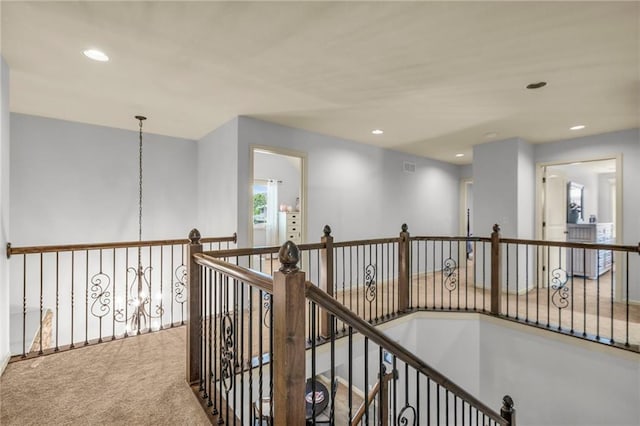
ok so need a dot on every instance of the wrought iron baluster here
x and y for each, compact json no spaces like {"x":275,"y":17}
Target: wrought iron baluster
{"x":24,"y":307}
{"x":113,"y":300}
{"x":73,"y":274}
{"x":86,"y":299}
{"x":56,"y":349}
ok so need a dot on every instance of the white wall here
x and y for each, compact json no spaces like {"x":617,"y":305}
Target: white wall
{"x":495,"y":186}
{"x":74,"y":183}
{"x":361,"y":191}
{"x":218,"y":181}
{"x":553,"y":379}
{"x":605,"y":197}
{"x":4,"y":212}
{"x":557,"y":380}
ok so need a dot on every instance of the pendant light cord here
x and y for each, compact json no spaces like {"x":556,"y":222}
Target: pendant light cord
{"x":141,"y":119}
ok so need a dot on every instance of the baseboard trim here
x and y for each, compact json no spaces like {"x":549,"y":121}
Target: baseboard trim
{"x":4,"y":361}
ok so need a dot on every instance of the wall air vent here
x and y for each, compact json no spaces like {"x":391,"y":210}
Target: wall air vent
{"x":409,"y":167}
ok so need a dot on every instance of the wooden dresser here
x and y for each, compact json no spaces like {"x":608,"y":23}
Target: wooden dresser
{"x":590,"y":263}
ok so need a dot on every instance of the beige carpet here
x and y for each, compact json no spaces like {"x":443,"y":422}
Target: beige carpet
{"x":133,"y":381}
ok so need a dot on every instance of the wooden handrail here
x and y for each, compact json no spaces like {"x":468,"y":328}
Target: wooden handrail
{"x":564,"y":244}
{"x":249,"y":276}
{"x":366,"y":242}
{"x":124,"y":244}
{"x":344,"y":314}
{"x":259,"y":250}
{"x":372,"y":394}
{"x":439,"y":238}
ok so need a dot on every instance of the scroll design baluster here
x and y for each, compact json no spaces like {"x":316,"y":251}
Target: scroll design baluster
{"x":101,"y":295}
{"x":407,"y":416}
{"x":370,"y":283}
{"x":561,"y":290}
{"x":179,"y":286}
{"x":227,"y":352}
{"x":266,"y":303}
{"x":450,"y":272}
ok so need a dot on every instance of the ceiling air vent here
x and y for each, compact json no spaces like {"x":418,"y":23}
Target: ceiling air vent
{"x":409,"y":167}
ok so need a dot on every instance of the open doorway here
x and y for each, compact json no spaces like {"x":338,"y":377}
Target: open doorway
{"x":579,"y":202}
{"x":277,"y":197}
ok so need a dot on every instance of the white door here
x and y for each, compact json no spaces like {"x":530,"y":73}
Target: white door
{"x":554,"y":224}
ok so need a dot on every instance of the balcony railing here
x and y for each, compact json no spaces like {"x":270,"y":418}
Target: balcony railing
{"x":248,"y":367}
{"x":66,"y":296}
{"x":356,"y":285}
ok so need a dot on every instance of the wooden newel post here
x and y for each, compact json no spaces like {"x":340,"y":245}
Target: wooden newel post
{"x":194,"y":314}
{"x":507,"y":411}
{"x":496,"y":271}
{"x":404,"y":257}
{"x":326,"y":278}
{"x":289,"y":339}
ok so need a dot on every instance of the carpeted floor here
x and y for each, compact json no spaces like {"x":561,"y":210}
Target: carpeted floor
{"x":133,"y":381}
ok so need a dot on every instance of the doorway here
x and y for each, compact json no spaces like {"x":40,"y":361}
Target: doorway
{"x":277,"y":195}
{"x":571,"y":197}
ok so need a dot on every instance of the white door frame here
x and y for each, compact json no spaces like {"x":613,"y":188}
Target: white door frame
{"x":619,"y":231}
{"x":303,"y":184}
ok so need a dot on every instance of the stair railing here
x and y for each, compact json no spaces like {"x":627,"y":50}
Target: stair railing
{"x":221,"y":357}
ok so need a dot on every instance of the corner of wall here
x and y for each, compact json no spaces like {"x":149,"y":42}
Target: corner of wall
{"x":4,"y":361}
{"x":4,"y":213}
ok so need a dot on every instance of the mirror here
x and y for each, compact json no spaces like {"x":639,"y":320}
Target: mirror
{"x":575,"y":201}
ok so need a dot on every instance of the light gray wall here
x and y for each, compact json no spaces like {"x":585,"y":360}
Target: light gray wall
{"x":361,"y":191}
{"x":495,"y":187}
{"x":605,"y":211}
{"x":74,"y":182}
{"x":217,"y":203}
{"x":4,"y":212}
{"x":526,"y":190}
{"x":557,"y":380}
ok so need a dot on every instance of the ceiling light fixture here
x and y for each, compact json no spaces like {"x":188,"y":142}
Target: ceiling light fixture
{"x":537,"y":85}
{"x":96,"y":55}
{"x":139,"y":312}
{"x":578,"y":127}
{"x":459,"y":155}
{"x":377,"y":131}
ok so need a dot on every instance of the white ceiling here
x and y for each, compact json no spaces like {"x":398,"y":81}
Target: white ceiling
{"x":436,"y":76}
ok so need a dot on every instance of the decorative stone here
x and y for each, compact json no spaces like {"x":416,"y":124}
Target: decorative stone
{"x":194,"y":236}
{"x":327,"y":230}
{"x":405,"y":228}
{"x":289,"y":255}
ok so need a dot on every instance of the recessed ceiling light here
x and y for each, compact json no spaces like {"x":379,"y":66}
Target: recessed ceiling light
{"x":537,"y":85}
{"x":578,"y":127}
{"x":490,"y":135}
{"x":459,"y":155}
{"x":96,"y":55}
{"x":377,"y":131}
